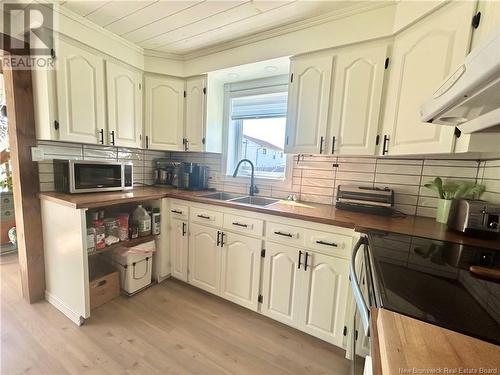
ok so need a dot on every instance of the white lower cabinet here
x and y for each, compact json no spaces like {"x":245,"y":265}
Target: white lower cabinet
{"x":326,"y":286}
{"x":179,"y":245}
{"x":311,"y":298}
{"x":281,"y":284}
{"x":204,"y":258}
{"x":241,"y":269}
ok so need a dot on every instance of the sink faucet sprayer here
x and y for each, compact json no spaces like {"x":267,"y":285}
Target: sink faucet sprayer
{"x":253,"y":188}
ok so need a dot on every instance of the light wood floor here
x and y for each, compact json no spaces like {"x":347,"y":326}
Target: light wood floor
{"x":170,"y":328}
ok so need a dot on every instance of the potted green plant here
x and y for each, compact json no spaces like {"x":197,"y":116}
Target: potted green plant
{"x":449,"y":191}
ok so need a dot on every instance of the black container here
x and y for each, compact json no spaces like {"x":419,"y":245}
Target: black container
{"x":194,"y":177}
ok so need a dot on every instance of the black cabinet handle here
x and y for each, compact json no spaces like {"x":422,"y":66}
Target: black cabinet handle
{"x":176,"y":212}
{"x":283,"y":234}
{"x":305,"y":262}
{"x":300,"y":257}
{"x":183,"y":229}
{"x":321,"y":144}
{"x":113,"y":137}
{"x":185,"y":142}
{"x":240,"y":224}
{"x":385,"y":145}
{"x":147,"y":141}
{"x":203,"y":216}
{"x":333,"y":144}
{"x":101,"y":132}
{"x":327,"y":243}
{"x":222,"y":234}
{"x":218,"y":238}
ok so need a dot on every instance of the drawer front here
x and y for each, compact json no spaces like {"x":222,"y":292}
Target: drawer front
{"x":284,"y":233}
{"x":243,"y":224}
{"x":206,"y":216}
{"x":179,"y":211}
{"x":330,"y":243}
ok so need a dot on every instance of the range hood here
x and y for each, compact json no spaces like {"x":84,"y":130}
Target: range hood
{"x":470,"y":97}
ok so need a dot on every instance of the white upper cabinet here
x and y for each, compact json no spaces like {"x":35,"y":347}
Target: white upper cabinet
{"x":80,"y":95}
{"x":164,"y":113}
{"x":422,"y":58}
{"x":308,"y":100}
{"x":326,"y":287}
{"x":124,"y":105}
{"x":355,"y":99}
{"x":241,"y":269}
{"x":489,"y":21}
{"x":194,"y":130}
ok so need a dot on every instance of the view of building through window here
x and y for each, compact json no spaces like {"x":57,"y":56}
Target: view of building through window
{"x":259,"y":139}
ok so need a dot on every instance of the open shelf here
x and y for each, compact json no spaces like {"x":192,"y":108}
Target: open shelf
{"x":129,"y":243}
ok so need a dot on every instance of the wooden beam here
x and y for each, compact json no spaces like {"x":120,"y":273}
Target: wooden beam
{"x":22,"y":136}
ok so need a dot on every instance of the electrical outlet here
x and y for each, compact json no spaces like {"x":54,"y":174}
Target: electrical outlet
{"x":37,"y":154}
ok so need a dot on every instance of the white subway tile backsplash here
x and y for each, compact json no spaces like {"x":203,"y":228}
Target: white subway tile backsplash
{"x":314,"y":178}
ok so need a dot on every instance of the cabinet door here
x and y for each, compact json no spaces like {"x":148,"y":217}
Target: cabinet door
{"x":308,"y":99}
{"x":179,"y":249}
{"x":241,"y":270}
{"x":80,"y":95}
{"x":164,"y":113}
{"x":423,"y":57}
{"x":281,"y":284}
{"x":124,"y":105}
{"x":490,"y":21}
{"x":355,"y":98}
{"x":194,"y":130}
{"x":325,"y":299}
{"x":204,"y":258}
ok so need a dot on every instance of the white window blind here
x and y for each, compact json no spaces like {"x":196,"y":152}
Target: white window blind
{"x":259,"y":106}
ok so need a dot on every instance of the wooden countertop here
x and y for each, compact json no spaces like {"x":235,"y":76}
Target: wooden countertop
{"x":404,"y":343}
{"x":320,"y":213}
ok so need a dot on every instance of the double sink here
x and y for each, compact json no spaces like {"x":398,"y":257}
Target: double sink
{"x":243,"y":199}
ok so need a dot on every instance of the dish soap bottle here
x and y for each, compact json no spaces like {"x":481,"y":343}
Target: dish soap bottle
{"x":141,"y":218}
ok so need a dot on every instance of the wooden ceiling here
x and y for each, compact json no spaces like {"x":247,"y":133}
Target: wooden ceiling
{"x":183,"y":27}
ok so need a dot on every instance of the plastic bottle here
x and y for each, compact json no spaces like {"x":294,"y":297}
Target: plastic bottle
{"x":156,"y":221}
{"x":141,"y":218}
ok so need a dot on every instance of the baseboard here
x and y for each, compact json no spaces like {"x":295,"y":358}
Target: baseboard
{"x":160,"y":279}
{"x":62,"y":307}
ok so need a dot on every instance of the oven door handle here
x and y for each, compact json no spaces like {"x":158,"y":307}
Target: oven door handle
{"x":364,"y":312}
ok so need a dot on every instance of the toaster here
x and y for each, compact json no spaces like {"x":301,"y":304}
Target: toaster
{"x":469,"y":216}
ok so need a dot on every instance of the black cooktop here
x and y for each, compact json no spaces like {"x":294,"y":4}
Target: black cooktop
{"x":433,"y":281}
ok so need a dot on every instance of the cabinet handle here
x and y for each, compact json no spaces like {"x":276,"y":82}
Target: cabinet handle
{"x":147,"y":141}
{"x":327,"y":243}
{"x":101,"y":132}
{"x":305,"y":262}
{"x":283,"y":234}
{"x":222,"y":234}
{"x":218,"y":238}
{"x":240,"y":225}
{"x":204,"y":216}
{"x":113,"y":137}
{"x":176,"y":212}
{"x":333,"y":144}
{"x":183,"y":229}
{"x":385,"y":145}
{"x":321,"y":144}
{"x":300,"y":257}
{"x":185,"y":142}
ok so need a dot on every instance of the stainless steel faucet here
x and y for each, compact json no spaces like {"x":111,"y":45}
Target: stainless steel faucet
{"x":253,"y":188}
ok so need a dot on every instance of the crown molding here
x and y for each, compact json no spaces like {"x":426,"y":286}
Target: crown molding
{"x":164,"y":55}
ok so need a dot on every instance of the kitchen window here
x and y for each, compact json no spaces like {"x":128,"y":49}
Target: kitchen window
{"x":256,"y":131}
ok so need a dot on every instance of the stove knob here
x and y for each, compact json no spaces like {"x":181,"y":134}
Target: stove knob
{"x":493,"y":225}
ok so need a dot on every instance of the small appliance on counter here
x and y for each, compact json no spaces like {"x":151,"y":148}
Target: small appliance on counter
{"x":167,"y":172}
{"x":474,"y":217}
{"x":194,"y":176}
{"x":87,"y":176}
{"x":365,"y":199}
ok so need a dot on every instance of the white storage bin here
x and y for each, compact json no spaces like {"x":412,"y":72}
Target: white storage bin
{"x":135,"y":265}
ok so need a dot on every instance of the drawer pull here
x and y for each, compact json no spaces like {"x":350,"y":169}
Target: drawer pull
{"x":240,"y":224}
{"x":204,"y":216}
{"x":176,"y":212}
{"x":283,"y":234}
{"x":327,"y":243}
